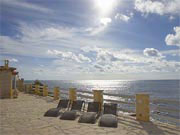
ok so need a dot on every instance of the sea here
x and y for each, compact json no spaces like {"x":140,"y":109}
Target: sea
{"x":166,"y":92}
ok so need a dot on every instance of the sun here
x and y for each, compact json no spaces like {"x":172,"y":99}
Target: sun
{"x":105,"y":6}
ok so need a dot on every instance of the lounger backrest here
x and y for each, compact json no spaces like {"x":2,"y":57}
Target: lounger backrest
{"x":63,"y":103}
{"x":77,"y":105}
{"x":110,"y":108}
{"x":93,"y":107}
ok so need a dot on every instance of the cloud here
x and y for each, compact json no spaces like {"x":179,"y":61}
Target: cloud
{"x":109,"y":56}
{"x":175,"y":52}
{"x":105,"y":56}
{"x":173,"y":39}
{"x":160,"y":7}
{"x":80,"y":58}
{"x":13,"y":60}
{"x":123,"y":17}
{"x":10,"y":59}
{"x":69,"y":53}
{"x":43,"y":32}
{"x":148,"y":6}
{"x":101,"y":26}
{"x":34,"y":41}
{"x":105,"y":21}
{"x":38,"y":71}
{"x":171,"y":18}
{"x":152,"y":52}
{"x":20,"y":47}
{"x":99,"y":68}
{"x":130,"y":61}
{"x":25,"y":5}
{"x":83,"y":58}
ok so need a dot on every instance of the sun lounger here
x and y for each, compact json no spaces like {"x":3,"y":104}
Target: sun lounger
{"x":92,"y":113}
{"x":73,"y":113}
{"x":109,"y":118}
{"x":55,"y":112}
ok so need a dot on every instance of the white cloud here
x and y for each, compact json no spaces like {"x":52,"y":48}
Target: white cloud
{"x":36,"y":40}
{"x":130,"y":61}
{"x":95,"y":30}
{"x":171,"y":52}
{"x":45,"y":32}
{"x":173,"y":39}
{"x":99,"y":68}
{"x":22,"y":48}
{"x":25,"y":5}
{"x":38,"y":71}
{"x":105,"y":21}
{"x":10,"y":59}
{"x":152,"y":52}
{"x":171,"y":18}
{"x":100,"y":27}
{"x":80,"y":55}
{"x":160,"y":7}
{"x":13,"y":60}
{"x":80,"y":58}
{"x":83,"y":58}
{"x":148,"y":6}
{"x":123,"y":17}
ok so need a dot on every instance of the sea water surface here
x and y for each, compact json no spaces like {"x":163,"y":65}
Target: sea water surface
{"x":157,"y":89}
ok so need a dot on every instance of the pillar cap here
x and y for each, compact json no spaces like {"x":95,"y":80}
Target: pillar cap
{"x":72,"y":88}
{"x":145,"y":94}
{"x":98,"y":90}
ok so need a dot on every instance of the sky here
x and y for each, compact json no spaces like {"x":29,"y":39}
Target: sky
{"x":91,"y":39}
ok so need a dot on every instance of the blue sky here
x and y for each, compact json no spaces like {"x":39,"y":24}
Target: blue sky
{"x":91,"y":39}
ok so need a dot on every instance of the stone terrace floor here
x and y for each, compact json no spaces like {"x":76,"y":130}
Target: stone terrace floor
{"x":24,"y":116}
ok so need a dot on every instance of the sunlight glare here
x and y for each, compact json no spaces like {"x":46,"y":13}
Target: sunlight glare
{"x":105,"y":6}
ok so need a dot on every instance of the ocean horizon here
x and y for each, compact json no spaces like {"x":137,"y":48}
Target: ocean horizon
{"x":154,"y":87}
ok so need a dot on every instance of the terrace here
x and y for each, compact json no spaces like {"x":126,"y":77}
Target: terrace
{"x":24,"y":115}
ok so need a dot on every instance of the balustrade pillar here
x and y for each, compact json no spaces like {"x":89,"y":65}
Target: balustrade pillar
{"x":98,"y":97}
{"x":56,"y":93}
{"x":142,"y":107}
{"x":72,"y":94}
{"x":45,"y":90}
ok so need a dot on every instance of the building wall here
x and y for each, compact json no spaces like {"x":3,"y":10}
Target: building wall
{"x":13,"y":81}
{"x":20,"y":84}
{"x":5,"y":83}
